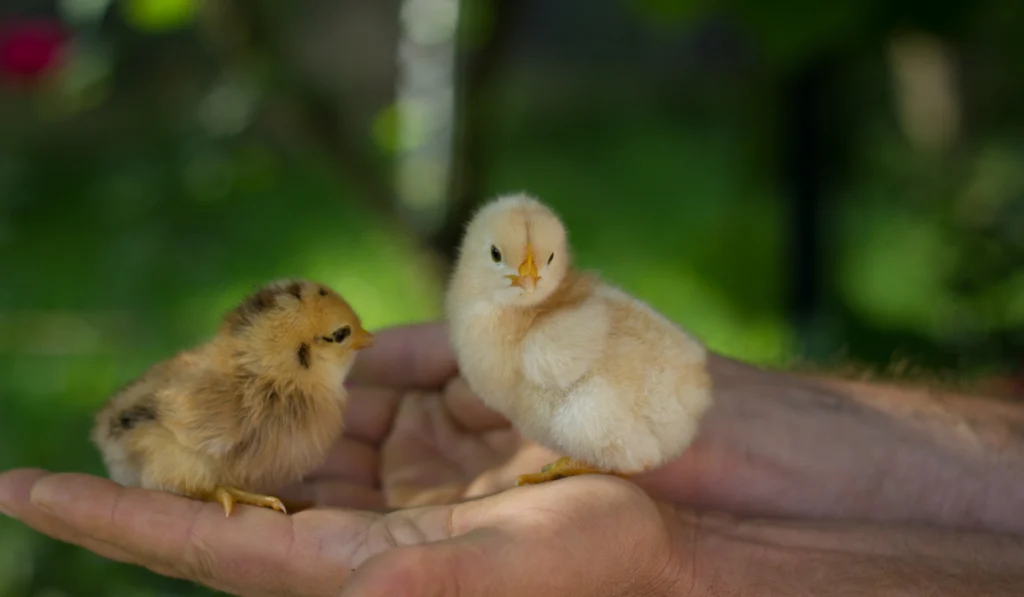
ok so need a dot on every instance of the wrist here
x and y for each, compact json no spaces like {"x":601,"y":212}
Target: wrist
{"x":780,"y":444}
{"x":777,"y":557}
{"x":774,"y":444}
{"x":712,"y":556}
{"x":675,"y":574}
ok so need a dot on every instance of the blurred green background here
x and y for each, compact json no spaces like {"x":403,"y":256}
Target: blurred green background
{"x":792,"y":181}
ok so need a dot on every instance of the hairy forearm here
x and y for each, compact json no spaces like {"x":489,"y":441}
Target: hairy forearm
{"x":782,"y":444}
{"x":766,"y":558}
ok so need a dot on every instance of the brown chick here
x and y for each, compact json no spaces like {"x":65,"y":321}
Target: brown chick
{"x":255,"y":408}
{"x":574,"y":363}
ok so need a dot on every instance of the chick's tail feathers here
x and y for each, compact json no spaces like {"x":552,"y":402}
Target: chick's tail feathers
{"x":112,"y":431}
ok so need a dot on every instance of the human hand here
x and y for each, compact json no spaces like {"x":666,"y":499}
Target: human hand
{"x":578,"y":537}
{"x":415,"y":434}
{"x":768,"y":438}
{"x":439,"y":427}
{"x":403,"y":360}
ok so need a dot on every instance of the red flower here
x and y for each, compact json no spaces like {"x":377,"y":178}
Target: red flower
{"x":31,"y":48}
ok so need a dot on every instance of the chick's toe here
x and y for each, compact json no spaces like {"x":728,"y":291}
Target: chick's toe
{"x":561,"y":468}
{"x":229,"y":496}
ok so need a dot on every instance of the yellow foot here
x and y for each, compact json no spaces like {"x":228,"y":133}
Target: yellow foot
{"x":561,"y":468}
{"x":229,"y":496}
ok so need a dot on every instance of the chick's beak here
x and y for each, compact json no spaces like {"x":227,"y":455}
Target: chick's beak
{"x":527,"y":278}
{"x":363,"y":339}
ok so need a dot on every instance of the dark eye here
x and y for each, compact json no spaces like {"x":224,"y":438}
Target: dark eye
{"x":550,"y":259}
{"x":341,"y":333}
{"x":495,"y":254}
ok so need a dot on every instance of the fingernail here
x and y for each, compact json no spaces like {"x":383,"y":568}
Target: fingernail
{"x":44,"y":497}
{"x":14,"y":485}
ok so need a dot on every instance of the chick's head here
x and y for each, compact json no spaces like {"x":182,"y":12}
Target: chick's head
{"x":296,"y":330}
{"x":514,"y":252}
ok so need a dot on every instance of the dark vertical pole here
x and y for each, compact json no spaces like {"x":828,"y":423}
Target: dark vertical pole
{"x":477,"y":68}
{"x":809,"y":128}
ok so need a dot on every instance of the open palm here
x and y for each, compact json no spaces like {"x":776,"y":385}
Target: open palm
{"x":415,"y":437}
{"x":518,"y":542}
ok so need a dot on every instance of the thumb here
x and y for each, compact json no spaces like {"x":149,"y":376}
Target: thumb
{"x":493,"y":562}
{"x":580,"y":537}
{"x":452,"y":567}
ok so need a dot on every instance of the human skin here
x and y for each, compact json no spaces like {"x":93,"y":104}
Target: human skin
{"x":774,"y":444}
{"x":848,"y":456}
{"x":826,"y":448}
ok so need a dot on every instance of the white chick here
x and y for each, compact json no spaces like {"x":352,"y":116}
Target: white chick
{"x":577,"y":365}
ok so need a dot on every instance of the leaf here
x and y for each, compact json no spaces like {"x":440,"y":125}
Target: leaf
{"x":159,"y":15}
{"x":789,"y":31}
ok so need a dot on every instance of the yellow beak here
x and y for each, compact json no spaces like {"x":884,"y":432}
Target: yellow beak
{"x":363,"y":339}
{"x":527,"y":278}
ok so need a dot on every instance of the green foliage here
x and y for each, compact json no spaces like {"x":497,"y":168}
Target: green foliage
{"x":114,"y":260}
{"x":476,"y":22}
{"x":784,"y":34}
{"x":788,"y":33}
{"x":654,"y":203}
{"x":128,"y":224}
{"x":670,"y":12}
{"x":159,"y":15}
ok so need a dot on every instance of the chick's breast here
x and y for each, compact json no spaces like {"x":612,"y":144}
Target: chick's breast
{"x":632,"y":389}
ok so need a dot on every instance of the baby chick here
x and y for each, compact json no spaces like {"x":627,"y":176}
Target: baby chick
{"x":251,"y":410}
{"x":577,"y":365}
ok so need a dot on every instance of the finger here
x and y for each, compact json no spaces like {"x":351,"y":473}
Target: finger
{"x":349,"y":460}
{"x":412,"y":356}
{"x":412,"y":459}
{"x":15,"y":491}
{"x":370,"y":411}
{"x":415,"y":570}
{"x":330,"y":493}
{"x":427,"y":459}
{"x":482,"y":562}
{"x":468,"y":410}
{"x":253,"y":551}
{"x":580,"y":536}
{"x":474,"y":452}
{"x":527,"y":457}
{"x":14,"y":488}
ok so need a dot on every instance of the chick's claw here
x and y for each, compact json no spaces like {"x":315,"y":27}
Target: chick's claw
{"x":229,"y":496}
{"x":561,"y":468}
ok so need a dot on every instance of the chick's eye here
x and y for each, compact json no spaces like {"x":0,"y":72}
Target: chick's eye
{"x":495,"y":254}
{"x":550,"y":259}
{"x":341,"y":333}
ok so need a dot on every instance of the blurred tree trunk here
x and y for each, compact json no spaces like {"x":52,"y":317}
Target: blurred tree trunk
{"x":311,"y":98}
{"x":814,"y":141}
{"x":253,"y":35}
{"x":477,"y":68}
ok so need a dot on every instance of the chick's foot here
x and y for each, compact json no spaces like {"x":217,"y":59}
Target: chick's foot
{"x":561,"y":468}
{"x":229,"y":496}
